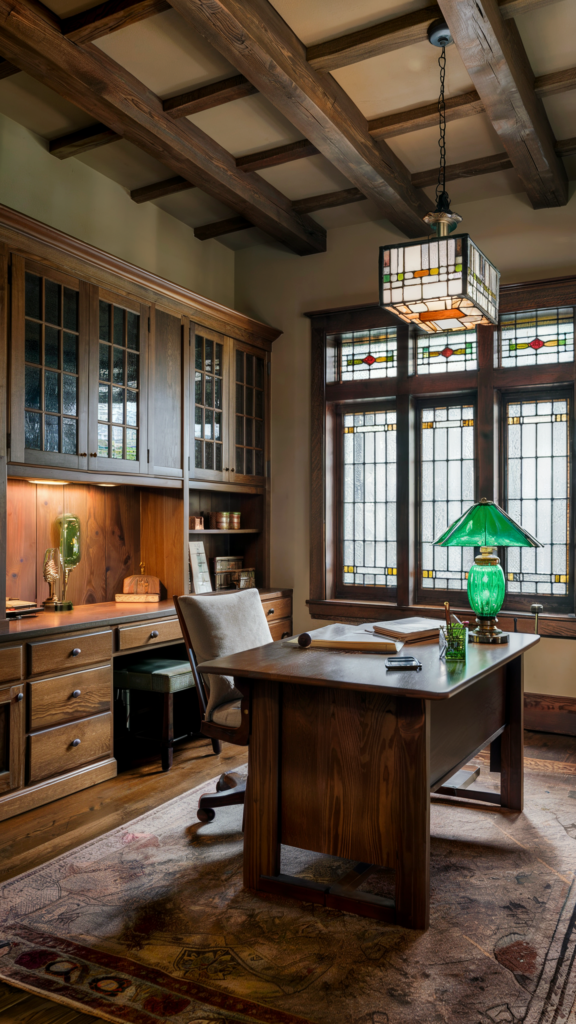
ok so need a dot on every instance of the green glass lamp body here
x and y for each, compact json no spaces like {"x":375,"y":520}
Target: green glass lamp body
{"x":486,"y":526}
{"x":70,"y":554}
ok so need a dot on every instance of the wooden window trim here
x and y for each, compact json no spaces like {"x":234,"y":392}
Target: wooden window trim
{"x":487,"y":381}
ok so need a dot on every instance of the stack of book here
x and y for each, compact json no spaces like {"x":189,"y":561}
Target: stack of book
{"x":415,"y":630}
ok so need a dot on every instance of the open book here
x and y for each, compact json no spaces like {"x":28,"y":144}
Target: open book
{"x":354,"y":641}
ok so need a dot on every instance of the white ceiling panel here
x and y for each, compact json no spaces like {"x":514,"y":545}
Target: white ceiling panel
{"x":165,"y":54}
{"x":65,"y":8}
{"x":402,"y":79}
{"x":38,"y":108}
{"x":561,"y":110}
{"x":126,"y":164}
{"x":246,"y":126}
{"x":313,"y":22}
{"x":549,"y":35}
{"x":467,"y":139}
{"x":195,"y":207}
{"x":309,"y":177}
{"x":485,"y":186}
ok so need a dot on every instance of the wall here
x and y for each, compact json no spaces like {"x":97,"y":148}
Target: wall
{"x":278,"y":288}
{"x":70,"y":196}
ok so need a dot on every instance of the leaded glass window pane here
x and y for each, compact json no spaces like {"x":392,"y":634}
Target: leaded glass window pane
{"x":209,"y":368}
{"x":369,"y":499}
{"x":364,"y":355}
{"x":446,"y":491}
{"x":249,"y":414}
{"x":537,"y":337}
{"x":119,"y":364}
{"x":537,"y":485}
{"x":443,"y":353}
{"x":50,"y":350}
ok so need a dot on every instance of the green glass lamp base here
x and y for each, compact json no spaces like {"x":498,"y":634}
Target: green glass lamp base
{"x":63,"y":606}
{"x":487,"y":631}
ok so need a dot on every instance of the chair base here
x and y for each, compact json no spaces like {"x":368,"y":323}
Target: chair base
{"x":230,"y":790}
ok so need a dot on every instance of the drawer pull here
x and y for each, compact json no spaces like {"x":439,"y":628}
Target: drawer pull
{"x":19,"y":696}
{"x":76,"y":693}
{"x":76,"y":651}
{"x":76,"y":743}
{"x":284,"y":635}
{"x":153,"y":634}
{"x":270,"y":611}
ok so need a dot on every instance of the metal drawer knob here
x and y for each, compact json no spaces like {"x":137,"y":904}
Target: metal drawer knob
{"x":153,"y":634}
{"x":76,"y":693}
{"x":19,"y":696}
{"x":270,"y":611}
{"x":75,"y":652}
{"x":75,"y":743}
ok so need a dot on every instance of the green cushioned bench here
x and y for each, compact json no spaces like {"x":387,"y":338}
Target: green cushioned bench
{"x":158,"y":675}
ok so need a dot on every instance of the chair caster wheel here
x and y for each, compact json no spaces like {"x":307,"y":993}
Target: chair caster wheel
{"x":206,"y":814}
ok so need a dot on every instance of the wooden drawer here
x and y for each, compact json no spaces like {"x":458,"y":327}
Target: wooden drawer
{"x":72,"y":652}
{"x":280,"y":628}
{"x":152,"y":633}
{"x":10,"y":664}
{"x":54,"y":751}
{"x":66,"y":698}
{"x":279,"y":608}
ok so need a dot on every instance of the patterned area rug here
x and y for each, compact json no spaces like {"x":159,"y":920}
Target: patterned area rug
{"x":150,"y":923}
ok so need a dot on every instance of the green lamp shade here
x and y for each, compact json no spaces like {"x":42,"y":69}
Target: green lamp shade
{"x":486,"y":525}
{"x":486,"y":588}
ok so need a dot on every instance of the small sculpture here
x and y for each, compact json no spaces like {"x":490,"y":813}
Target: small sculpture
{"x":51,"y":573}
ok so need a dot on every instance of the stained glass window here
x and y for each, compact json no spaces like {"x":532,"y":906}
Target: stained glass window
{"x":369,"y":533}
{"x":119,"y":382}
{"x":368,"y":354}
{"x":440,"y":285}
{"x":51,"y":366}
{"x":447,"y":352}
{"x":208,"y":390}
{"x":536,"y":337}
{"x":249,"y":414}
{"x":447,"y":490}
{"x":537,"y":479}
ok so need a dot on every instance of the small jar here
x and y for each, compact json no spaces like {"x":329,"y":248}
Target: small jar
{"x":235,"y":520}
{"x":222,"y":520}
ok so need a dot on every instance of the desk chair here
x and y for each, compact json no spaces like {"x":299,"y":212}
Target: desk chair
{"x":214,"y":625}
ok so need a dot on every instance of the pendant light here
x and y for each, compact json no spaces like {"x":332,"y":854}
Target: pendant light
{"x":446,"y":283}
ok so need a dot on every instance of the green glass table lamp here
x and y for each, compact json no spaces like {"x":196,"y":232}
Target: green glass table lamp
{"x":69,"y":554}
{"x":486,"y":526}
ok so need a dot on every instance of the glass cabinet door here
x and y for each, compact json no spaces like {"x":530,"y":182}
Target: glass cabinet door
{"x":49,"y":367}
{"x":117,"y":384}
{"x":249,"y":399}
{"x":210,"y":381}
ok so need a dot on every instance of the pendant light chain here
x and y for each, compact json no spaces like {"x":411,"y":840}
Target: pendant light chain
{"x":441,"y":186}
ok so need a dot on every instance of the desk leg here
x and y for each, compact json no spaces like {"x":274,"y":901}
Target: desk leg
{"x":261,"y":808}
{"x":412,"y":814}
{"x":512,"y":749}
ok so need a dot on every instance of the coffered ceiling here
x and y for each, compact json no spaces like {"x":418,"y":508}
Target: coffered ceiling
{"x":365,"y":128}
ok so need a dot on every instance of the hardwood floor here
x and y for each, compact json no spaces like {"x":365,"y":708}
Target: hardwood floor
{"x":35,"y":837}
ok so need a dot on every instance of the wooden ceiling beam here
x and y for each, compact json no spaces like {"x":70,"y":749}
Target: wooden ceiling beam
{"x":494,"y":56}
{"x":279,"y":155}
{"x":221,"y":227}
{"x":91,"y":80}
{"x":109,"y":17}
{"x":467,"y":169}
{"x":274,"y":60}
{"x":208,"y":96}
{"x":558,"y":81}
{"x":7,"y":69}
{"x":168,"y":187}
{"x":82,"y":141}
{"x":426,"y":116}
{"x":566,"y":147}
{"x":393,"y":34}
{"x":328,"y":200}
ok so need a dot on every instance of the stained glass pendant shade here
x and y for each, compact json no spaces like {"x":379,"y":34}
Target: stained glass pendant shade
{"x":486,"y":526}
{"x":442,"y":284}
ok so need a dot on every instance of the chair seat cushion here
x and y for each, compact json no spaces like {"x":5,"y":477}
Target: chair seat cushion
{"x":229,"y":715}
{"x":158,"y":675}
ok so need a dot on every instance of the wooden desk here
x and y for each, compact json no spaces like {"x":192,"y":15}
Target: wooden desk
{"x":343,"y":757}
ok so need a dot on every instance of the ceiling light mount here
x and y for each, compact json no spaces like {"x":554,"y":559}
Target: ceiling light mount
{"x":439,"y":33}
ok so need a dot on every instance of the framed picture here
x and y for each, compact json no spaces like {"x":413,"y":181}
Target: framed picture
{"x":199,"y":565}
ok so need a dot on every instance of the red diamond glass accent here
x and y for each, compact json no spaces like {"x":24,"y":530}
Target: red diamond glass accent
{"x":447,"y":352}
{"x":369,"y":360}
{"x":536,"y":344}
